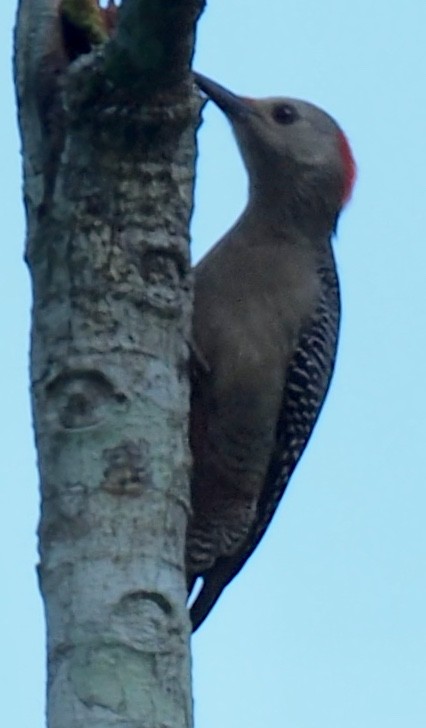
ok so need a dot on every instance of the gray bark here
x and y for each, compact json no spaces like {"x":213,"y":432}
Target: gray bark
{"x":108,"y":180}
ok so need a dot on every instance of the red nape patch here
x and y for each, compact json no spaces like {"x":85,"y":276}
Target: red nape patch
{"x":349,"y":167}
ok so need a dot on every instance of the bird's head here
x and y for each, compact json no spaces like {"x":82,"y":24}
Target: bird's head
{"x":294,"y":152}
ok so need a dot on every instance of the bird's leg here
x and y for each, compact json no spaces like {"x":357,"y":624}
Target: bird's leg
{"x":199,"y":364}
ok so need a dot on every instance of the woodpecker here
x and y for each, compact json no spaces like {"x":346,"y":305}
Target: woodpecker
{"x":265,"y":329}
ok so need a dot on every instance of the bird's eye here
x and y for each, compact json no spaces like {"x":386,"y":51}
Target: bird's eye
{"x":284,"y":114}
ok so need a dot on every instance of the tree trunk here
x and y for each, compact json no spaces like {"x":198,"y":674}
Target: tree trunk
{"x":108,"y":155}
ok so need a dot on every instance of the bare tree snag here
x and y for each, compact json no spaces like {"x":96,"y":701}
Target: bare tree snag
{"x":108,"y":155}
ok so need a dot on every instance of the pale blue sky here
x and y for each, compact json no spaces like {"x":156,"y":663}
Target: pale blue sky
{"x":325,"y":627}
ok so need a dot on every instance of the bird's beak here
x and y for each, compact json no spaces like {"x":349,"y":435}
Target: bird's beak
{"x":233,"y":106}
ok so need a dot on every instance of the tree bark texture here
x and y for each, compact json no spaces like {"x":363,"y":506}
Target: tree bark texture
{"x":108,"y":180}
